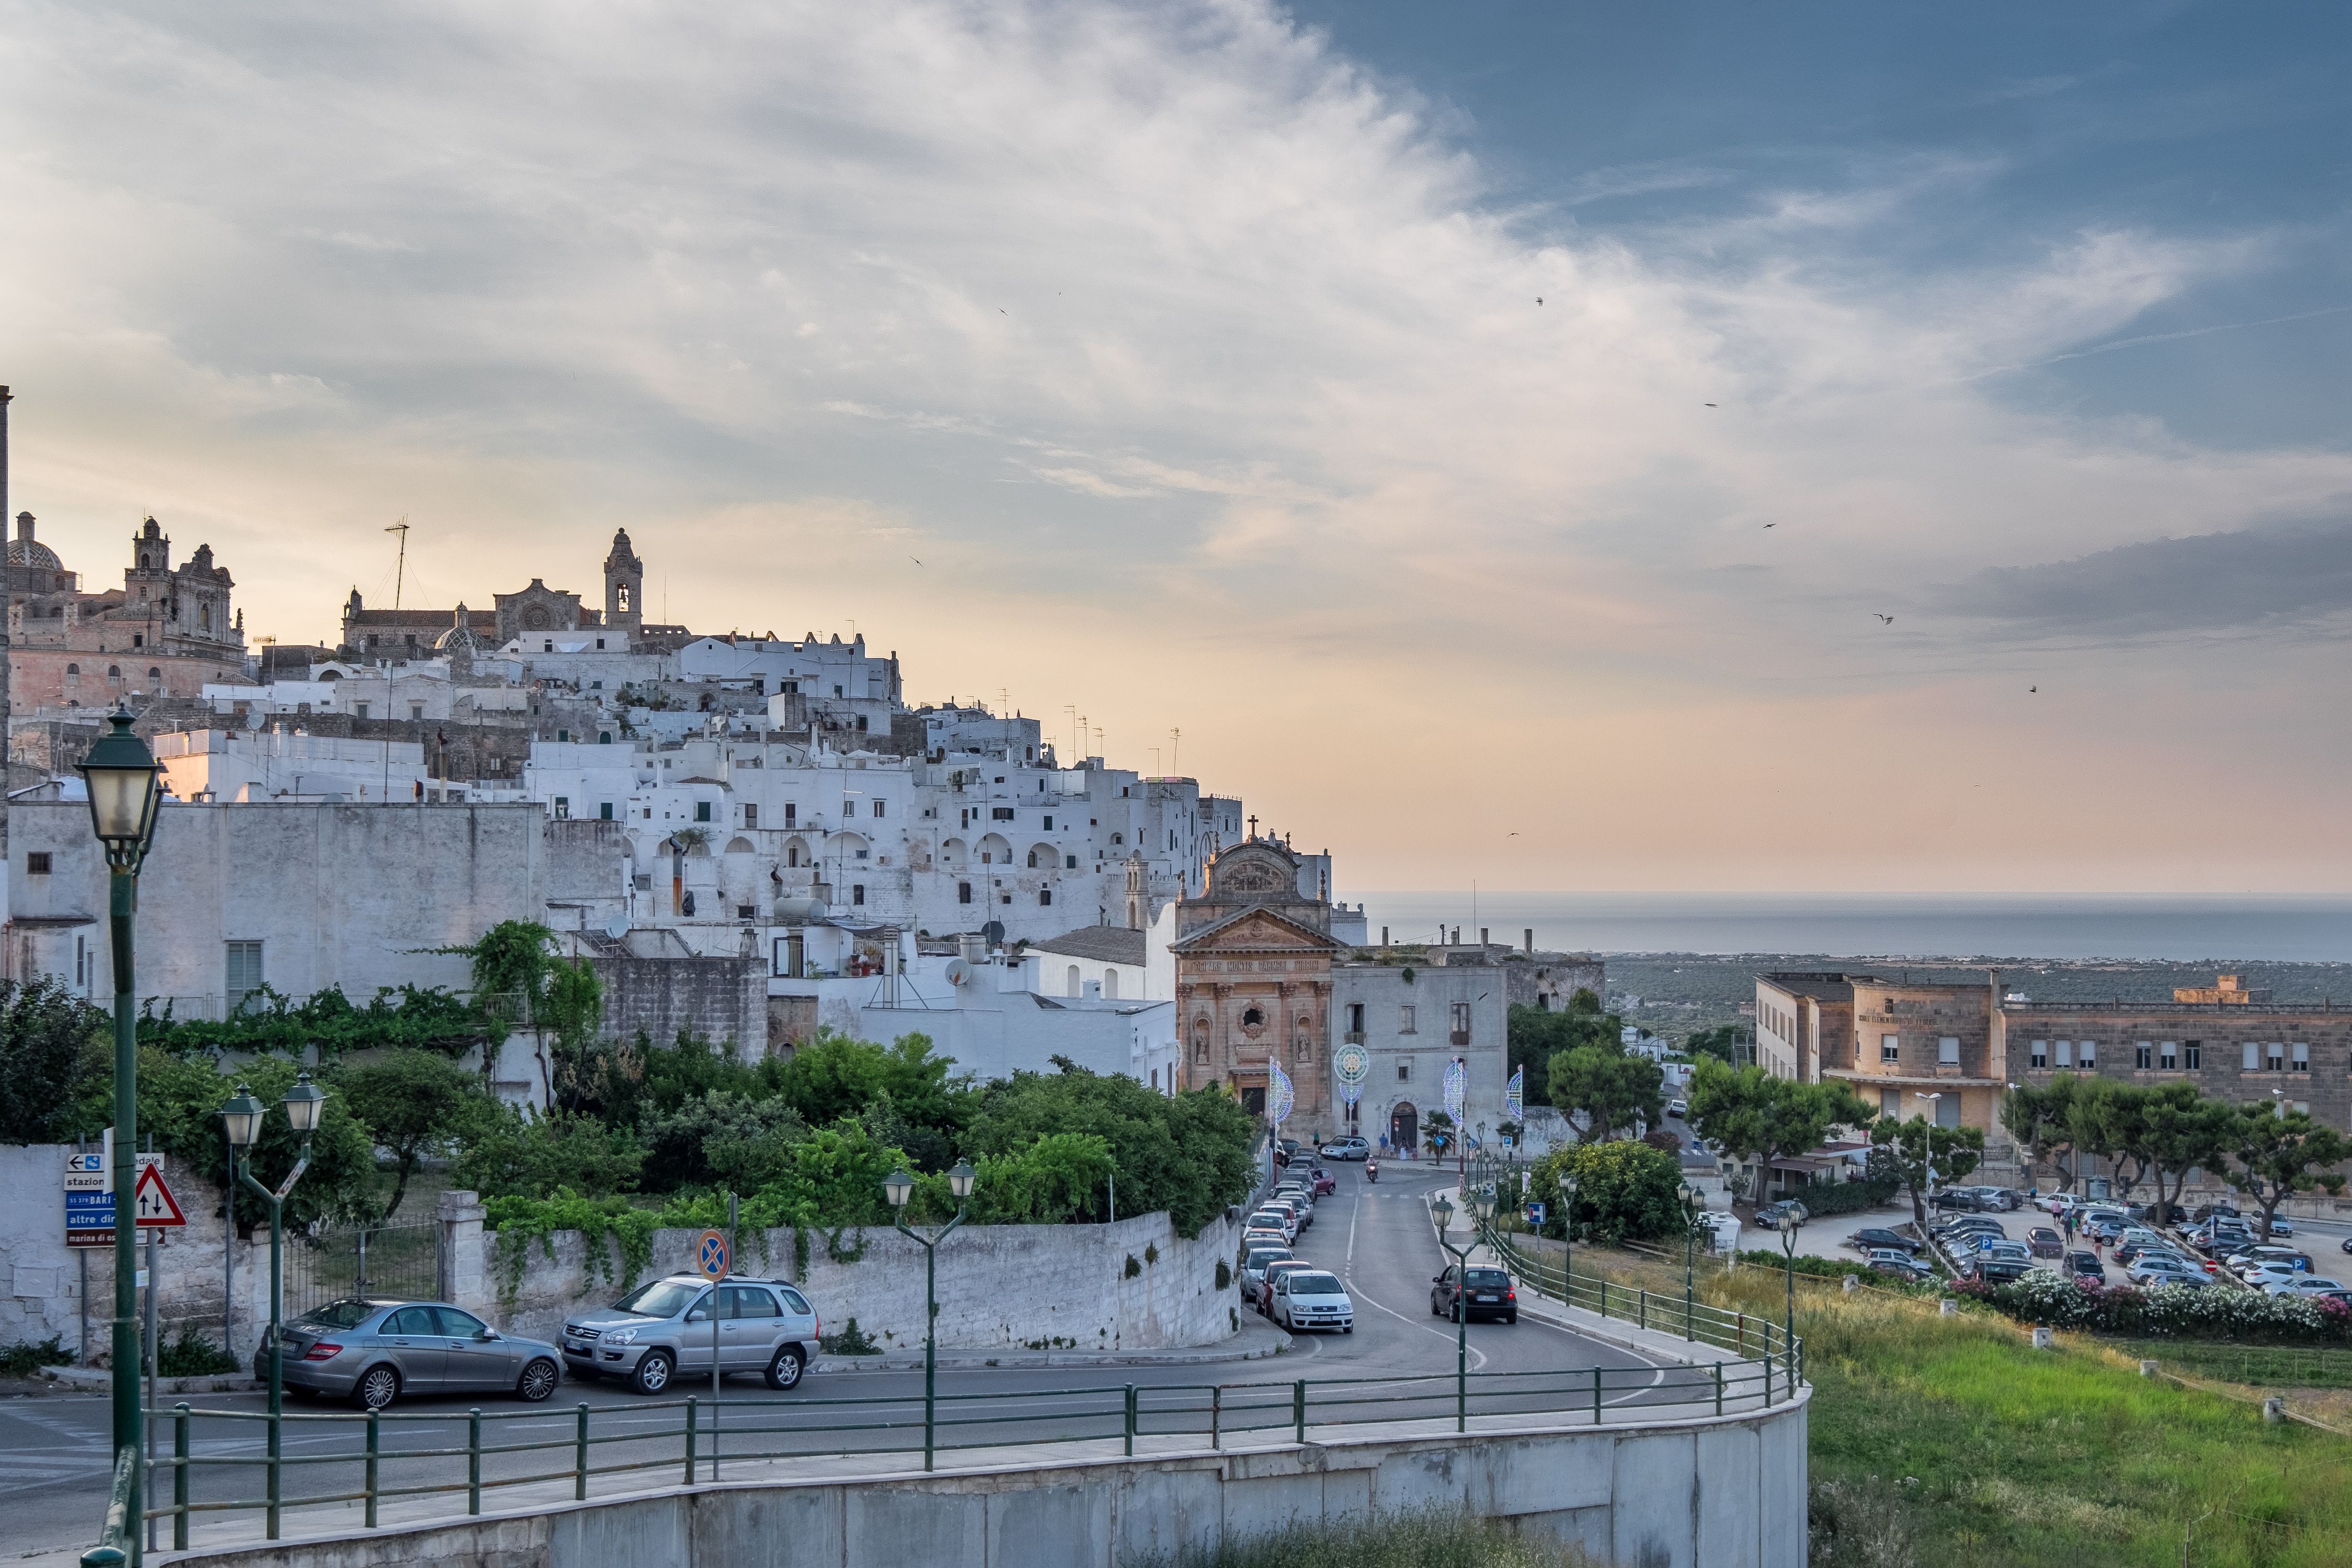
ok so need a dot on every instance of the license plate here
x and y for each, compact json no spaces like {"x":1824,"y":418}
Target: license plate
{"x":1490,"y":1298}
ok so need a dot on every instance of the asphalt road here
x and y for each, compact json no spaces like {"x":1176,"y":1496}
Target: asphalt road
{"x":1401,"y":1360}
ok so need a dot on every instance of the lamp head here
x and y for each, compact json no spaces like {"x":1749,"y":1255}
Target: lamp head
{"x":1443,"y":1212}
{"x":961,"y":1176}
{"x":305,"y":1102}
{"x":242,"y":1116}
{"x":898,"y":1186}
{"x":1482,"y":1203}
{"x":124,"y":787}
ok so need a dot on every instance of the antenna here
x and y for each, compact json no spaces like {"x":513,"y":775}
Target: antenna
{"x":1072,"y":709}
{"x":1175,"y":749}
{"x":400,"y":567}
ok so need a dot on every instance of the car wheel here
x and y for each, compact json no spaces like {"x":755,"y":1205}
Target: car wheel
{"x":1510,"y":1317}
{"x":652,"y":1374}
{"x":538,"y":1381}
{"x":1350,"y":1329}
{"x":785,"y":1371}
{"x":377,"y":1387}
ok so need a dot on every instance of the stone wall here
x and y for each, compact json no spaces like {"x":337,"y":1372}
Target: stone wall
{"x":1000,"y":1286}
{"x":724,"y":1000}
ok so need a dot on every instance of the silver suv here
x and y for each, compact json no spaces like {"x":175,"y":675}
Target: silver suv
{"x":662,"y":1331}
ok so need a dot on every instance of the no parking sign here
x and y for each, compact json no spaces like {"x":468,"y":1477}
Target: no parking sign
{"x":712,"y":1256}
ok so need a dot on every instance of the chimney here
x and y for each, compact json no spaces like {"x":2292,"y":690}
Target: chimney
{"x":25,"y":526}
{"x":1384,"y":935}
{"x":1482,"y":935}
{"x":1531,"y":939}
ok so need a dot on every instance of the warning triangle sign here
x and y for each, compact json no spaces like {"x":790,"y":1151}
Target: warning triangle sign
{"x":153,"y":1204}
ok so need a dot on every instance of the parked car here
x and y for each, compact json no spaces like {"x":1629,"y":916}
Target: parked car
{"x":2086,"y":1265}
{"x":2262,"y":1256}
{"x":1347,"y":1149}
{"x":1476,"y":1292}
{"x":373,"y":1352}
{"x":1253,"y":1268}
{"x":1999,"y":1271}
{"x":1768,"y":1217}
{"x":661,"y":1331}
{"x":1678,"y":1109}
{"x":1959,"y":1199}
{"x":1324,"y":1183}
{"x":1902,"y":1268}
{"x":2206,"y":1211}
{"x":2281,"y":1226}
{"x":1274,"y":1273}
{"x":1263,"y":1236}
{"x":2001,"y":1199}
{"x":2150,"y":1273}
{"x":1310,"y":1299}
{"x":2305,"y":1285}
{"x":2259,"y":1275}
{"x":2056,"y":1202}
{"x":1878,"y":1237}
{"x":1301,"y":1207}
{"x":2346,"y":1246}
{"x":1271,"y":1218}
{"x":2045,"y":1242}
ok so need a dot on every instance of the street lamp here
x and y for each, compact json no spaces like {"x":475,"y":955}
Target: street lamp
{"x":898,"y":1186}
{"x":304,"y":1103}
{"x":1568,"y":1237}
{"x":1789,"y":1334}
{"x":1935,"y":1112}
{"x":124,"y":787}
{"x":1694,"y":1204}
{"x":1442,"y":1211}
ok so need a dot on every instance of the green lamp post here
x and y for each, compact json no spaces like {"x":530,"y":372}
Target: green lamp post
{"x":1481,"y":1204}
{"x":124,"y":787}
{"x":898,"y":1186}
{"x":305,"y":1102}
{"x":1694,"y":1204}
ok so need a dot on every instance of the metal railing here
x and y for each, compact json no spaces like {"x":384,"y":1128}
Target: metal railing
{"x":117,"y":1543}
{"x":360,"y":1461}
{"x":1745,"y":1334}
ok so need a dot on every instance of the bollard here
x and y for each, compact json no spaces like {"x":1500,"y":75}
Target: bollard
{"x":689,"y":1439}
{"x":1852,"y":1283}
{"x":375,"y":1457}
{"x":180,"y":1477}
{"x":2043,"y":1339}
{"x":1949,"y":1307}
{"x":2275,"y":1410}
{"x":1131,"y":1420}
{"x":580,"y":1457}
{"x":1718,"y":1387}
{"x":2148,"y":1369}
{"x":1596,"y":1395}
{"x":474,"y":1461}
{"x":1216,"y":1416}
{"x":1645,"y":1308}
{"x":1298,"y":1408}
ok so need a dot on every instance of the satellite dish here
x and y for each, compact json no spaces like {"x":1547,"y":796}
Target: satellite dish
{"x":617,"y":926}
{"x":957,"y":971}
{"x":993,"y":931}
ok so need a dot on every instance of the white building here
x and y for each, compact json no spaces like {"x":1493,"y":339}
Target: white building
{"x":1415,"y":1022}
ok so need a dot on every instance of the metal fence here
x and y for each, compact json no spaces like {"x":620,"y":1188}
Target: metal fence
{"x":364,"y":1459}
{"x":379,"y":1260}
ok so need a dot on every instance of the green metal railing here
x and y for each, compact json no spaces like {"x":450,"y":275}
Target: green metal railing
{"x":119,"y":1542}
{"x":1745,"y":1334}
{"x":360,"y":1461}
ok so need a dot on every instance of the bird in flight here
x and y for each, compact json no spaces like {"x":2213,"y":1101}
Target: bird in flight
{"x":1539,"y":299}
{"x":1710,"y":405}
{"x":1884,"y":620}
{"x":1512,"y":834}
{"x":917,"y":559}
{"x":1771,"y":524}
{"x":2034,"y":688}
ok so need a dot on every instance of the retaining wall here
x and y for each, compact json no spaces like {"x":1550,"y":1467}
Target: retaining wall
{"x":1725,"y":1493}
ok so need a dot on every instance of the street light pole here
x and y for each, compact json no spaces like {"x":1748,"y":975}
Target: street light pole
{"x":1568,"y":1237}
{"x":122,"y":780}
{"x":1694,"y":1204}
{"x":305,"y":1102}
{"x":898,"y":1186}
{"x":1481,"y":1205}
{"x":1789,"y":1334}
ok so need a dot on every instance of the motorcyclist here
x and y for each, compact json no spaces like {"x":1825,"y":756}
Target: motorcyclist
{"x":1371,"y":1170}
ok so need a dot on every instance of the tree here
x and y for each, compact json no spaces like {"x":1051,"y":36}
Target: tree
{"x":1535,"y":1035}
{"x":1729,"y":1043}
{"x":1625,"y":1191}
{"x":1919,"y":1152}
{"x":834,"y":1076}
{"x":1437,"y":1132}
{"x":2186,"y":1131}
{"x":412,"y":1104}
{"x":2041,"y":1121}
{"x":2278,"y":1155}
{"x":1761,"y":1118}
{"x":2109,"y":1119}
{"x":508,"y":1153}
{"x":1610,"y":1089}
{"x":49,"y":1043}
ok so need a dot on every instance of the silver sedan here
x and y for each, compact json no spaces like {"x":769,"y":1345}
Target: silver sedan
{"x":372,"y":1353}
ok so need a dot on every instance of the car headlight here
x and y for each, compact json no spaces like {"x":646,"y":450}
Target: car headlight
{"x":621,"y":1336}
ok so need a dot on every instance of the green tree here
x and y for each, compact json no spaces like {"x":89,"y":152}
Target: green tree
{"x":1437,"y":1132}
{"x":2279,"y":1154}
{"x":2187,"y":1131}
{"x":1625,"y":1191}
{"x":2041,"y":1121}
{"x":1727,"y":1043}
{"x":50,"y":1042}
{"x":1761,"y":1118}
{"x":834,"y":1076}
{"x":1533,"y":1036}
{"x":508,"y":1153}
{"x":1611,"y":1089}
{"x":2109,"y":1118}
{"x":412,"y":1104}
{"x":1189,"y":1153}
{"x":1919,"y":1152}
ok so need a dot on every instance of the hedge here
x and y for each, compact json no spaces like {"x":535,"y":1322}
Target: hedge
{"x":1846,"y":1196}
{"x":2165,"y":1311}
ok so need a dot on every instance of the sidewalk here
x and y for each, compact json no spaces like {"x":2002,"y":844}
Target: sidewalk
{"x":1256,"y":1340}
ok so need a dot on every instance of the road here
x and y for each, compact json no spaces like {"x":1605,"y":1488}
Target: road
{"x":1376,"y":1236}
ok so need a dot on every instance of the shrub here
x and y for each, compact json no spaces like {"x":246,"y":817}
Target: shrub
{"x":21,"y":1358}
{"x":850,"y":1340}
{"x":1625,"y":1191}
{"x":190,"y":1354}
{"x":2165,"y":1310}
{"x":1848,"y":1196}
{"x":1224,"y":1276}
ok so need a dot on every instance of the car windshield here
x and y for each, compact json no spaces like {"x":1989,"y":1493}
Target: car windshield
{"x":662,"y":1298}
{"x":1487,"y":1278}
{"x":1304,"y":1284}
{"x":1265,"y":1255}
{"x":338,"y":1315}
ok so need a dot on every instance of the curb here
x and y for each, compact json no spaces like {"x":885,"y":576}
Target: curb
{"x":99,"y":1380}
{"x":970,"y":1361}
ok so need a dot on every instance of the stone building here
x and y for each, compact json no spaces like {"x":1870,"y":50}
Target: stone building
{"x":1413,"y":1021}
{"x":531,"y":617}
{"x":1253,"y":960}
{"x":165,"y":632}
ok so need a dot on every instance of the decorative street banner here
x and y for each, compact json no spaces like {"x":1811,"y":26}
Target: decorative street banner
{"x":1514,"y":1098}
{"x":1458,"y":1089}
{"x":1352,"y":1064}
{"x":1283,"y":1097}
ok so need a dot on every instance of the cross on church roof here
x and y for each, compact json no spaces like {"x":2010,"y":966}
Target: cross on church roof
{"x":1253,"y":827}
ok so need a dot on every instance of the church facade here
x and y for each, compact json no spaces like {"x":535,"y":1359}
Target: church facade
{"x":166,"y":631}
{"x":1254,"y":959}
{"x":535,"y":618}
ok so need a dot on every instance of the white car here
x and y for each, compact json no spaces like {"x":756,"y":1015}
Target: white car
{"x":2262,"y":1276}
{"x":2303,"y":1285}
{"x":1678,"y":1109}
{"x":1309,"y":1299}
{"x":1347,"y":1149}
{"x":1254,"y":1268}
{"x":1276,"y":1220}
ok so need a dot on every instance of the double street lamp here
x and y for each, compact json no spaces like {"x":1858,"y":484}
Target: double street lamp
{"x":1694,"y":1204}
{"x":305,"y":1102}
{"x":898,"y":1186}
{"x":1481,"y":1202}
{"x":1788,"y":1333}
{"x":123,"y":782}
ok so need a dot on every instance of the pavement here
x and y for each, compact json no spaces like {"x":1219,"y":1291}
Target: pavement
{"x":54,"y":1460}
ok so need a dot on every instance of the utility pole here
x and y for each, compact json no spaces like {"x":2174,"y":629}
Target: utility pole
{"x":400,"y":567}
{"x":1175,"y":751}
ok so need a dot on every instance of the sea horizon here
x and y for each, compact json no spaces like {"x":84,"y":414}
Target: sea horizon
{"x":2123,"y":926}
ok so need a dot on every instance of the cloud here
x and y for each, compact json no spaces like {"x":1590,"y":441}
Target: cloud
{"x":2255,"y":579}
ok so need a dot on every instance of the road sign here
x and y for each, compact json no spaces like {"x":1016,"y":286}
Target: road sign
{"x":1536,"y":1214}
{"x":90,"y":1196}
{"x":711,"y":1255}
{"x":153,"y":1204}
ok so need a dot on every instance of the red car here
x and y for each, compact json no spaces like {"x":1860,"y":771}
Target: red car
{"x":2045,"y":1242}
{"x":1324,"y":1185}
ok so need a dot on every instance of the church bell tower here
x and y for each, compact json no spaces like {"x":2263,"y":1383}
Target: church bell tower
{"x":624,"y":586}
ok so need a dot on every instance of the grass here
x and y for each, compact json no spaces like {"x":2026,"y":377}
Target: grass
{"x":1436,"y":1540}
{"x":2256,"y":1367}
{"x":1938,"y":1442}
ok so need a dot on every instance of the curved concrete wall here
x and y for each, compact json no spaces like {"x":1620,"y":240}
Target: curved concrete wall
{"x":1726,"y":1492}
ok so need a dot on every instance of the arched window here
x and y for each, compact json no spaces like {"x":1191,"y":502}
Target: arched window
{"x":1076,"y":986}
{"x":113,"y":671}
{"x":73,"y":669}
{"x":1045,"y":898}
{"x":1110,"y":983}
{"x":621,"y":599}
{"x":1252,"y":1016}
{"x":153,"y":674}
{"x":1032,"y":859}
{"x":603,"y":737}
{"x":146,"y":562}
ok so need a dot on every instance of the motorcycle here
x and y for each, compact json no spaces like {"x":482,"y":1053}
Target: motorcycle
{"x":1371,"y":1170}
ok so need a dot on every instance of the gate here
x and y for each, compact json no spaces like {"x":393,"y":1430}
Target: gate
{"x":379,"y":1260}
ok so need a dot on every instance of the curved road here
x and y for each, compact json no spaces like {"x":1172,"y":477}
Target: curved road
{"x":1376,"y":1236}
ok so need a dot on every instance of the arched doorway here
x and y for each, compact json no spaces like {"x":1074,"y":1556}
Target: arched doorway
{"x":1404,"y":1128}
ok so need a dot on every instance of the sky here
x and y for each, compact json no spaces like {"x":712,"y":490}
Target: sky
{"x":1563,"y":445}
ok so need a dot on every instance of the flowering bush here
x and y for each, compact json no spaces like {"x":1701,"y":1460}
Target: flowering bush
{"x":2165,"y":1310}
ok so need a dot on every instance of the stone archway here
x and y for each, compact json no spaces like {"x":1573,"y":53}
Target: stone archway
{"x":1404,"y":1127}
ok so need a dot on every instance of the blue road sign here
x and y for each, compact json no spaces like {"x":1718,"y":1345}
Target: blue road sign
{"x":711,"y":1255}
{"x":1535,"y":1214}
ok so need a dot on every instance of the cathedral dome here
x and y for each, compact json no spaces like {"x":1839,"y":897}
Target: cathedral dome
{"x":31,"y":552}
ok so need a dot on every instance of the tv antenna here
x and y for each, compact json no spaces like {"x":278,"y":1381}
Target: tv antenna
{"x":400,"y":567}
{"x":1175,"y":749}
